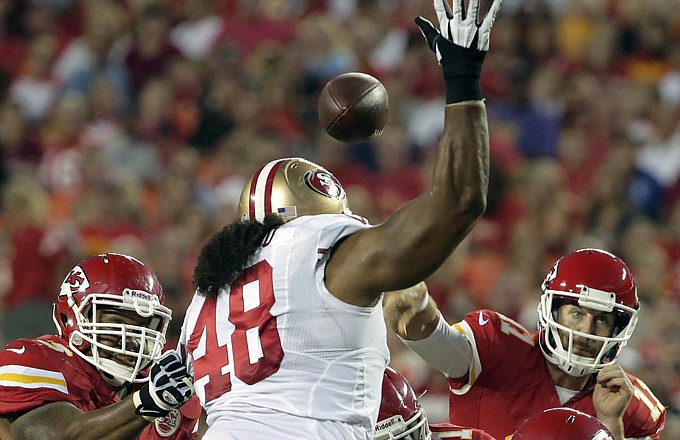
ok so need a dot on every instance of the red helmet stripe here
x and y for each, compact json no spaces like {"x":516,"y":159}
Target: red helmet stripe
{"x":269,"y":186}
{"x":260,"y":203}
{"x":251,"y":199}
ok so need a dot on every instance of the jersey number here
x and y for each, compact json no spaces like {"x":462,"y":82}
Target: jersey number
{"x":512,"y":327}
{"x":255,"y":342}
{"x":645,"y":395}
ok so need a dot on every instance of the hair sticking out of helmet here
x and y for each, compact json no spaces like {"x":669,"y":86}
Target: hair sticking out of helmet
{"x":291,"y":188}
{"x":593,"y":279}
{"x":562,"y":424}
{"x":121,"y":284}
{"x":400,"y":416}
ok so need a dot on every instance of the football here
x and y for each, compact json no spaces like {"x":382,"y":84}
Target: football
{"x":353,"y":107}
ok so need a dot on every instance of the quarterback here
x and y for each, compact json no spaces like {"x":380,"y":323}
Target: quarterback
{"x":97,"y":378}
{"x":500,"y":374}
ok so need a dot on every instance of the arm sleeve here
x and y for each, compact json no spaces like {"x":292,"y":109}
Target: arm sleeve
{"x":446,"y":349}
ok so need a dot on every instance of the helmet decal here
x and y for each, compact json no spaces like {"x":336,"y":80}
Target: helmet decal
{"x":324,"y":183}
{"x":75,"y":281}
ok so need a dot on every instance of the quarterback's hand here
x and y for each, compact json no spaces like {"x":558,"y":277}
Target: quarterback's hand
{"x":460,"y":27}
{"x":612,"y":393}
{"x":170,"y":386}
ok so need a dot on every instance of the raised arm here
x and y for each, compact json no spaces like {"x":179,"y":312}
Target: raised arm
{"x":414,"y":241}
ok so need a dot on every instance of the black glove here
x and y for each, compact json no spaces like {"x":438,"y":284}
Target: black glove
{"x":460,"y":46}
{"x":170,"y":386}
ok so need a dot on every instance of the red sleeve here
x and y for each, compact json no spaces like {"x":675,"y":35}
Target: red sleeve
{"x":497,"y":341}
{"x":180,"y":424}
{"x":447,"y":431}
{"x":28,"y":378}
{"x":34,"y":372}
{"x":645,"y":415}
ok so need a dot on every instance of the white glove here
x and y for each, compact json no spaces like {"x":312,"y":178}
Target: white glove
{"x":461,"y":27}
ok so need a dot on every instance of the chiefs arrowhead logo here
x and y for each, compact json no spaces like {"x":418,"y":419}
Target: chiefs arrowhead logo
{"x":75,"y":281}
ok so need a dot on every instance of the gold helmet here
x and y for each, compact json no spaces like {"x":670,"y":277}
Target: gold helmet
{"x":291,"y":188}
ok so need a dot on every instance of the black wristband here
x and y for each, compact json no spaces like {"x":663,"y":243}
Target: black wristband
{"x":462,"y":68}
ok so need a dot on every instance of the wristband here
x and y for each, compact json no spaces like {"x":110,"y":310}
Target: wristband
{"x":462,"y":68}
{"x":149,"y":416}
{"x":423,"y":304}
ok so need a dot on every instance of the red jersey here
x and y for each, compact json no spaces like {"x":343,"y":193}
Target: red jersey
{"x":508,"y":381}
{"x":447,"y":431}
{"x":34,"y":372}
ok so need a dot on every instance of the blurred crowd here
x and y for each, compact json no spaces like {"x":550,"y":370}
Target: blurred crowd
{"x":131,"y":126}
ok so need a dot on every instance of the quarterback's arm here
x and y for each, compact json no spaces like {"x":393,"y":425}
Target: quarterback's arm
{"x":426,"y":332}
{"x":611,"y":396}
{"x":63,"y":421}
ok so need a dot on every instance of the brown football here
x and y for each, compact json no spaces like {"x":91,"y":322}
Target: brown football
{"x":353,"y":107}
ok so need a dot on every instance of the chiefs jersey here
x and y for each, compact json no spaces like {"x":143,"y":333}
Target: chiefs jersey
{"x":34,"y":372}
{"x":447,"y":431}
{"x":276,"y":355}
{"x":508,"y":381}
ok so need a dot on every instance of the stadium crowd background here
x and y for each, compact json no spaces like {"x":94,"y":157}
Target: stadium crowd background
{"x":131,"y":125}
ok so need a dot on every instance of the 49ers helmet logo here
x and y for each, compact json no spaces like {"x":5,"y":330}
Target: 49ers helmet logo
{"x":75,"y":281}
{"x":325,"y":184}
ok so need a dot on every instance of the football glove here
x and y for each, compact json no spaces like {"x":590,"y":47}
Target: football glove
{"x":170,"y":386}
{"x":458,"y":26}
{"x":460,"y":45}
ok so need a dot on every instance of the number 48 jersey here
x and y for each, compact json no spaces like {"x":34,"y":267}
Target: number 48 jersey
{"x":276,"y":355}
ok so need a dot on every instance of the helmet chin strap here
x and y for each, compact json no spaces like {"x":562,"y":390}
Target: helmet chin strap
{"x":120,"y":370}
{"x":108,"y":377}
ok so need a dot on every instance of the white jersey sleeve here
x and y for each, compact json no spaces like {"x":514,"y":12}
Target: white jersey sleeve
{"x":278,"y":343}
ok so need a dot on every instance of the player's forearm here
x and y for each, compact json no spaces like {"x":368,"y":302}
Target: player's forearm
{"x":418,"y":237}
{"x":461,"y":174}
{"x":444,"y":349}
{"x":63,"y":421}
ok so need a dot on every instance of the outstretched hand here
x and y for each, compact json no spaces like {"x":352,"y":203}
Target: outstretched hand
{"x":459,"y":26}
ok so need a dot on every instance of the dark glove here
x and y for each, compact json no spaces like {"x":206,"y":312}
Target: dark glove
{"x":170,"y":386}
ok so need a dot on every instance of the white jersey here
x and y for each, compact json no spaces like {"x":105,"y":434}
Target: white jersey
{"x":276,"y":355}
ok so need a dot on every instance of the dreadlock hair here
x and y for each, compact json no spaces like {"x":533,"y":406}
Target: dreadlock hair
{"x":228,"y":252}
